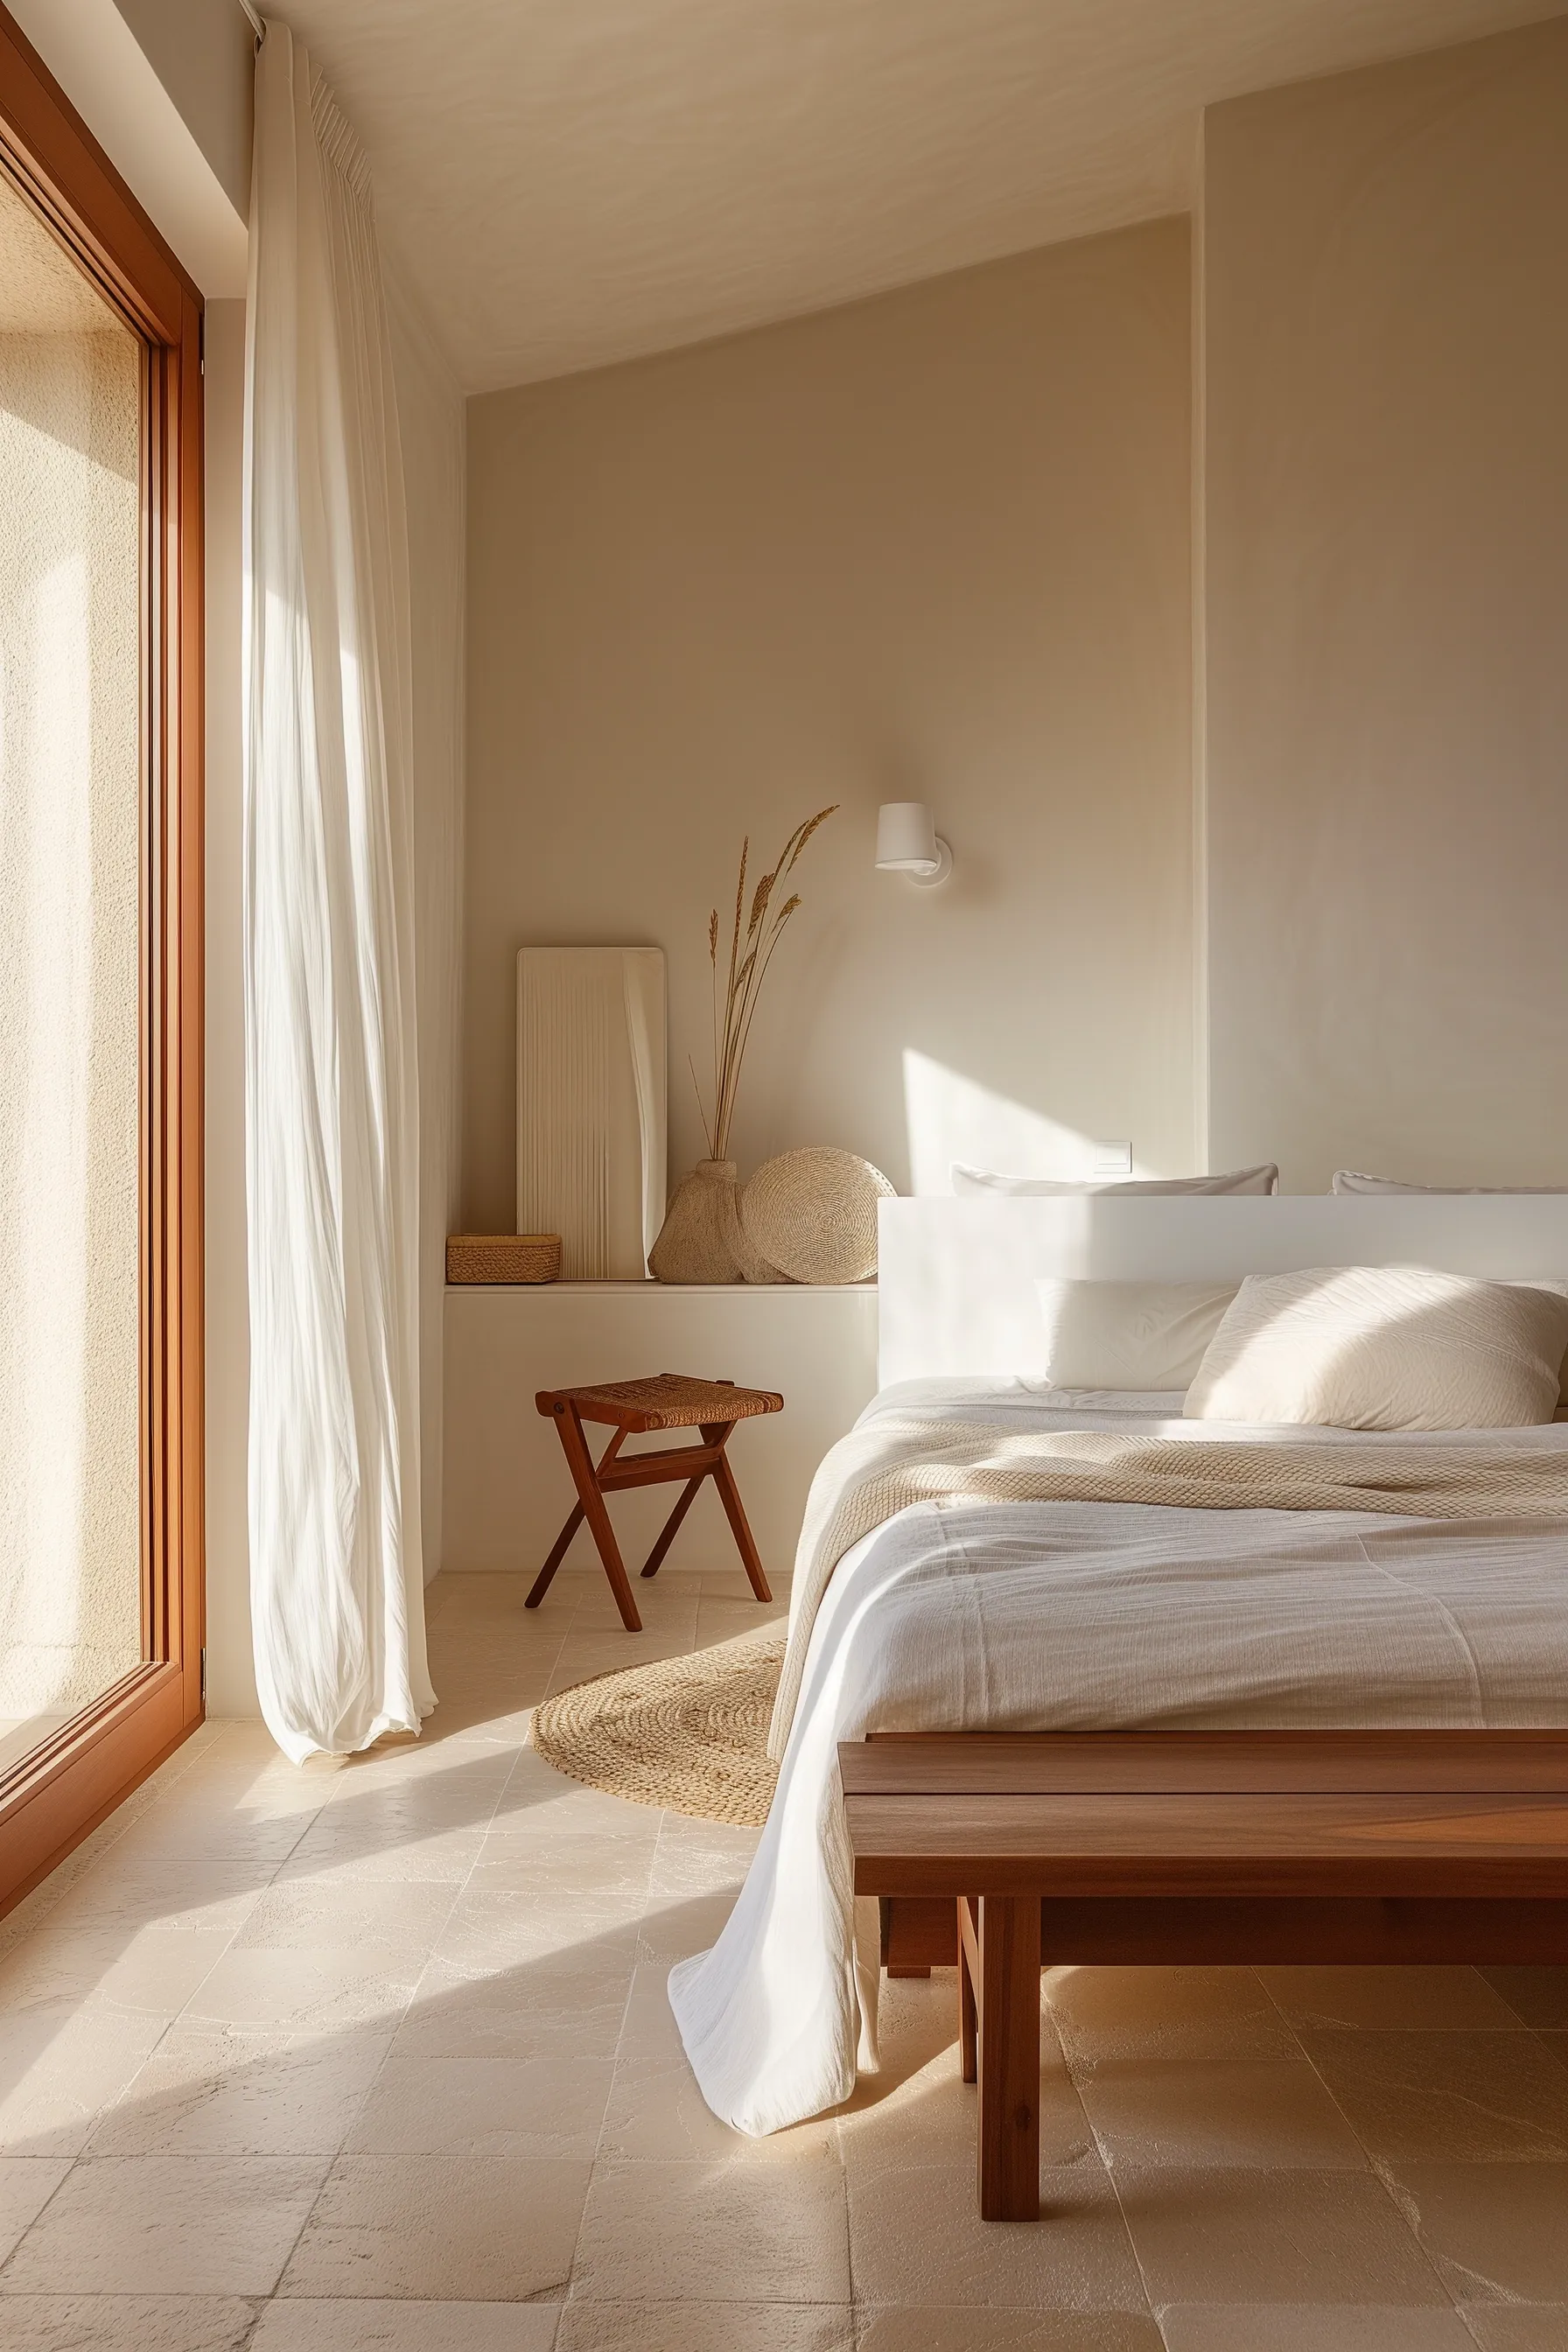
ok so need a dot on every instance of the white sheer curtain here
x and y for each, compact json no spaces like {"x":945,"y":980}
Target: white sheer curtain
{"x":332,"y":1097}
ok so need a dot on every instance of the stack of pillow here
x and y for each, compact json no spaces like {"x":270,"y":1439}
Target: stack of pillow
{"x":1344,"y":1347}
{"x":1339,"y":1347}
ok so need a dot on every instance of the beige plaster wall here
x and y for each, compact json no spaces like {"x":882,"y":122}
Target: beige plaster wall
{"x":1385,"y":259}
{"x":934,"y":546}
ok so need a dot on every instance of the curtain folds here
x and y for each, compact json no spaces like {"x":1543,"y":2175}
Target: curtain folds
{"x":332,"y":1095}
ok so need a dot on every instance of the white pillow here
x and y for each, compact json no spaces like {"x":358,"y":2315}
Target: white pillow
{"x":1347,"y":1180}
{"x":1384,"y":1347}
{"x":1128,"y":1335}
{"x":1239,"y":1180}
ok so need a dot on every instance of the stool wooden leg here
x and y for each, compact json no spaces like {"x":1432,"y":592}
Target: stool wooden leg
{"x":580,"y":1463}
{"x":1009,"y":2058}
{"x":541,"y":1585}
{"x":717,"y":1434}
{"x":655,"y":1559}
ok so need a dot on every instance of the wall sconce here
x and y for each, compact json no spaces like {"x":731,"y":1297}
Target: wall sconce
{"x":908,"y":843}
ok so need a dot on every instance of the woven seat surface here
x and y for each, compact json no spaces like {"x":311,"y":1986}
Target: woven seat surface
{"x":670,"y":1401}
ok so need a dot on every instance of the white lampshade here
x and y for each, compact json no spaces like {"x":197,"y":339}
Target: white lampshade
{"x":906,"y":842}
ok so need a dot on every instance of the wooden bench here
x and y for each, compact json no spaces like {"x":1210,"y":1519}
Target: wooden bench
{"x":1009,"y":1851}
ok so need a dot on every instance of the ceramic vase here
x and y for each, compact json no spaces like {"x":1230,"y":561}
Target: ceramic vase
{"x":694,"y":1242}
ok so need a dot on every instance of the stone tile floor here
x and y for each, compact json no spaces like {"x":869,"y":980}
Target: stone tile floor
{"x":377,"y":2054}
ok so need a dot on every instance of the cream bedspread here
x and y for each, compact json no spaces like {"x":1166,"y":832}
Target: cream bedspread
{"x":897,"y":1459}
{"x":957,"y":1613}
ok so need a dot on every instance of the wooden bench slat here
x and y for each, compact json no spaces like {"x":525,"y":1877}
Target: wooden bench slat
{"x":1256,"y":1761}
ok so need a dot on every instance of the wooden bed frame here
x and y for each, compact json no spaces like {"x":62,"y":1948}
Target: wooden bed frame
{"x":1006,"y":1853}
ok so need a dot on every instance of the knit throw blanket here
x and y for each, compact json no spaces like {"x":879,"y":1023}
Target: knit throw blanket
{"x":895,"y":1461}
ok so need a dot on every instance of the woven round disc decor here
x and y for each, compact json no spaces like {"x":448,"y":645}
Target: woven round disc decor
{"x":687,"y":1734}
{"x":814,"y":1214}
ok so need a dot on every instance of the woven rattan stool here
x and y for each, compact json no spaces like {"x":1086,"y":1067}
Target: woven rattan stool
{"x":632,"y":1408}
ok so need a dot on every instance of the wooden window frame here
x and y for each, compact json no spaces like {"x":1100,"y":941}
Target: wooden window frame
{"x":61,"y":1788}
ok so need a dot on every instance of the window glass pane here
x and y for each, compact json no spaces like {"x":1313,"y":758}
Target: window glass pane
{"x":71,"y":422}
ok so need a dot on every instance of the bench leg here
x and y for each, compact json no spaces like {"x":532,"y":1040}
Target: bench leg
{"x":968,"y":2017}
{"x":1009,"y":2057}
{"x":718,"y":1433}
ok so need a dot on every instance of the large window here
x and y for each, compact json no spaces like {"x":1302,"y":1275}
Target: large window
{"x":99,"y":983}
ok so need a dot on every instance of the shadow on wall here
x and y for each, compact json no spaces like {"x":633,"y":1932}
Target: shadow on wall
{"x":950,"y":1117}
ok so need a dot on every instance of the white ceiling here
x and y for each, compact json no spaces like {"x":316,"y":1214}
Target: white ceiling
{"x":572,"y":181}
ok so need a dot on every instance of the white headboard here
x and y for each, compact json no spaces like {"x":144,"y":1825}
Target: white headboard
{"x":956,"y":1279}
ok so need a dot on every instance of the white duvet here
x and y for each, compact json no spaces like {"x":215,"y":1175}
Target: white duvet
{"x":957,"y":1616}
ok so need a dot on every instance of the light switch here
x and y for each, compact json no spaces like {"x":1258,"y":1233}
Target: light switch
{"x":1113,"y":1159}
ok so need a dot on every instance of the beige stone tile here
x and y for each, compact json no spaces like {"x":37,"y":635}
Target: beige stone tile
{"x":26,"y":2185}
{"x":173,"y":2224}
{"x":537,"y":1805}
{"x":1495,"y":2231}
{"x":544,"y":1867}
{"x":122,"y":1892}
{"x":916,"y":2110}
{"x":152,"y":1968}
{"x":1519,"y":2327}
{"x":720,"y":2233}
{"x":723,"y":1620}
{"x":199,"y":1834}
{"x":1165,"y":2014}
{"x":1539,"y":1996}
{"x":437,"y":1778}
{"x":705,"y":2328}
{"x":1007,"y":2331}
{"x":1463,"y":2096}
{"x":1230,"y":2111}
{"x":125,"y":2322}
{"x":396,"y":1924}
{"x":204,"y":2091}
{"x":265,"y":1989}
{"x":546,"y":2105}
{"x":730,"y":1582}
{"x":351,"y":1853}
{"x":1311,"y":2327}
{"x":490,"y":2228}
{"x":916,"y":2239}
{"x":1424,"y":1997}
{"x":61,"y":2068}
{"x":655,"y":2112}
{"x":495,"y":1928}
{"x":302,"y":2323}
{"x":673,"y":1927}
{"x":1219,"y":2235}
{"x":496,"y":1719}
{"x":701,"y":1858}
{"x":571,"y":2004}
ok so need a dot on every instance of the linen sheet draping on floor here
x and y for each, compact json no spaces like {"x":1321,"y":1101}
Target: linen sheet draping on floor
{"x":1066,"y":1615}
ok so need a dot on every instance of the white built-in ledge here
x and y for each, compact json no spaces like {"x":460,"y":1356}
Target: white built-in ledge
{"x":505,"y":1485}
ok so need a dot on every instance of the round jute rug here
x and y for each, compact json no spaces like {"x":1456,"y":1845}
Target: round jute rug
{"x":689,"y":1733}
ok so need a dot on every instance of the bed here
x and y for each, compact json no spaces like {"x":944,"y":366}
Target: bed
{"x":975,"y":1608}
